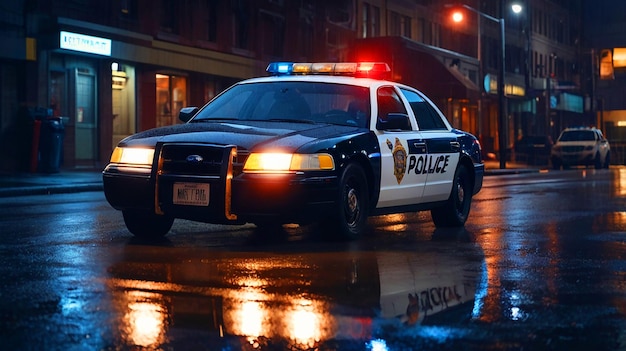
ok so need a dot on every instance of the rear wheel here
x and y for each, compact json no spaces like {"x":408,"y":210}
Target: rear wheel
{"x":351,"y":218}
{"x":147,"y":225}
{"x":456,"y":210}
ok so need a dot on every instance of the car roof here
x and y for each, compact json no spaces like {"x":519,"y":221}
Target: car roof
{"x":570,"y":129}
{"x":333,"y":79}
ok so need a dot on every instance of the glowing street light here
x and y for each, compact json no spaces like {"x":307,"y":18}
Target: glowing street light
{"x":457,"y":16}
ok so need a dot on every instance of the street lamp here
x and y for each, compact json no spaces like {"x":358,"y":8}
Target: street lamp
{"x":503,"y":121}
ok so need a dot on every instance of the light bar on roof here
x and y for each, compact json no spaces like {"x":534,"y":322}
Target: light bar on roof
{"x":367,"y":69}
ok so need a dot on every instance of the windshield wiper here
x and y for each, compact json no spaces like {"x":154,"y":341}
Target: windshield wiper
{"x":290,"y":120}
{"x":218,"y":119}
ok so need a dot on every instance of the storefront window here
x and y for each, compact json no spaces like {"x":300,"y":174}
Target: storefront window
{"x":171,"y":96}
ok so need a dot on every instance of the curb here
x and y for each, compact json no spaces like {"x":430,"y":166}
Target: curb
{"x":50,"y":189}
{"x":506,"y":171}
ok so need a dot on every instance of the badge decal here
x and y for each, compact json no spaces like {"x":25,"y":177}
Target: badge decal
{"x":399,"y":159}
{"x":195,"y":159}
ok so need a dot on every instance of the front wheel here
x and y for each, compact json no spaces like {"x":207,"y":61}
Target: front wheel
{"x":456,"y":209}
{"x":607,"y":160}
{"x":147,"y":225}
{"x":597,"y":162}
{"x":353,"y":200}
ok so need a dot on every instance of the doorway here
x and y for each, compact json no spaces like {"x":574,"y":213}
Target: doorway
{"x":123,"y":101}
{"x":86,"y":120}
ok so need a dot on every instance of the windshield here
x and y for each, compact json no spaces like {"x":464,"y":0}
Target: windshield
{"x":578,"y":135}
{"x":308,"y":102}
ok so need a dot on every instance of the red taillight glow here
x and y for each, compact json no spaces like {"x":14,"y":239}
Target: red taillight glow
{"x":372,"y":69}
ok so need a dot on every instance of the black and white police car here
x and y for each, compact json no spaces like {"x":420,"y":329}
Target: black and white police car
{"x":328,"y":143}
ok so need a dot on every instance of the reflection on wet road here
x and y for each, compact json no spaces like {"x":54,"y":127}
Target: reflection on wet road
{"x":540,"y":265}
{"x":287,"y":300}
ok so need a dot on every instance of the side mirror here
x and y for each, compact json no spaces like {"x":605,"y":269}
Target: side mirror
{"x":394,"y":121}
{"x":186,"y":113}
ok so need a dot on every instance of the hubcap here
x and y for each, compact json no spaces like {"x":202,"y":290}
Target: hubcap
{"x":352,"y":206}
{"x":460,"y":191}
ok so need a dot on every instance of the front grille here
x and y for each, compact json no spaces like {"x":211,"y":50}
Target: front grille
{"x":199,"y":160}
{"x":573,"y":148}
{"x":192,"y":159}
{"x":213,"y":166}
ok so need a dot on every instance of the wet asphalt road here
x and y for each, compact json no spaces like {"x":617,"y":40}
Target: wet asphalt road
{"x":540,"y":265}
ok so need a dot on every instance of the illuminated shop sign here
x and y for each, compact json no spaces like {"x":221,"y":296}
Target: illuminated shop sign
{"x":85,"y":43}
{"x":490,"y":83}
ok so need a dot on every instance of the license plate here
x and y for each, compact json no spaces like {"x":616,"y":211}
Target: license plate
{"x":191,"y":194}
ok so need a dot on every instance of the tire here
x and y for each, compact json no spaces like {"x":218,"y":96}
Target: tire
{"x":597,"y":162}
{"x":456,"y":209}
{"x":147,"y":225}
{"x":607,"y":160}
{"x":352,"y":203}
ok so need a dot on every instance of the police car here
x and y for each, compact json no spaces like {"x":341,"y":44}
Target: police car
{"x":327,"y":143}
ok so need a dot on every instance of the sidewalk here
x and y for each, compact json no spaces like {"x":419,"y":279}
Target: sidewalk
{"x":492,"y":167}
{"x":65,"y":181}
{"x":71,"y":181}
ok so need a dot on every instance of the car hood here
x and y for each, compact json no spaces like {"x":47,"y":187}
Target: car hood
{"x":245,"y":134}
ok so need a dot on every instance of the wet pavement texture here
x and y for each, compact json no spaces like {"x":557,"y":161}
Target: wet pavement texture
{"x":540,"y":265}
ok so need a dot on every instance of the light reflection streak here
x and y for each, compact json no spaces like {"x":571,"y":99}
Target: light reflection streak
{"x":251,"y":319}
{"x":481,"y":292}
{"x":304,"y":323}
{"x":516,"y":312}
{"x":378,"y":345}
{"x":620,"y":182}
{"x":144,"y":321}
{"x":249,"y":313}
{"x":260,"y":299}
{"x":399,"y":222}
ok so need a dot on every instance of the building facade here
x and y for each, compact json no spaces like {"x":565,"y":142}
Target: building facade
{"x":108,"y":69}
{"x":606,"y":57}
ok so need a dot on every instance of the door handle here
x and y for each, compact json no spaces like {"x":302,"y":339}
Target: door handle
{"x":455,"y":146}
{"x":420,"y":146}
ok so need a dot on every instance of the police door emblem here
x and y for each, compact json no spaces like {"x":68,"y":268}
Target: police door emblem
{"x":399,"y":159}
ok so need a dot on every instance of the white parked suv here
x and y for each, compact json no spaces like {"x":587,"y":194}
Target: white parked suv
{"x":581,"y":146}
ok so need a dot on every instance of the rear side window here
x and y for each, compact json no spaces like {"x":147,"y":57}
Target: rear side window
{"x":427,"y":118}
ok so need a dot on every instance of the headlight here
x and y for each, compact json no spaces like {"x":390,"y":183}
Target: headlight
{"x":279,"y":162}
{"x":132,"y":155}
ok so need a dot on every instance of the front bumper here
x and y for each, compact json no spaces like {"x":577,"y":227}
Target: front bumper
{"x":233,"y":197}
{"x":252,"y":197}
{"x":574,"y":158}
{"x":479,"y":173}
